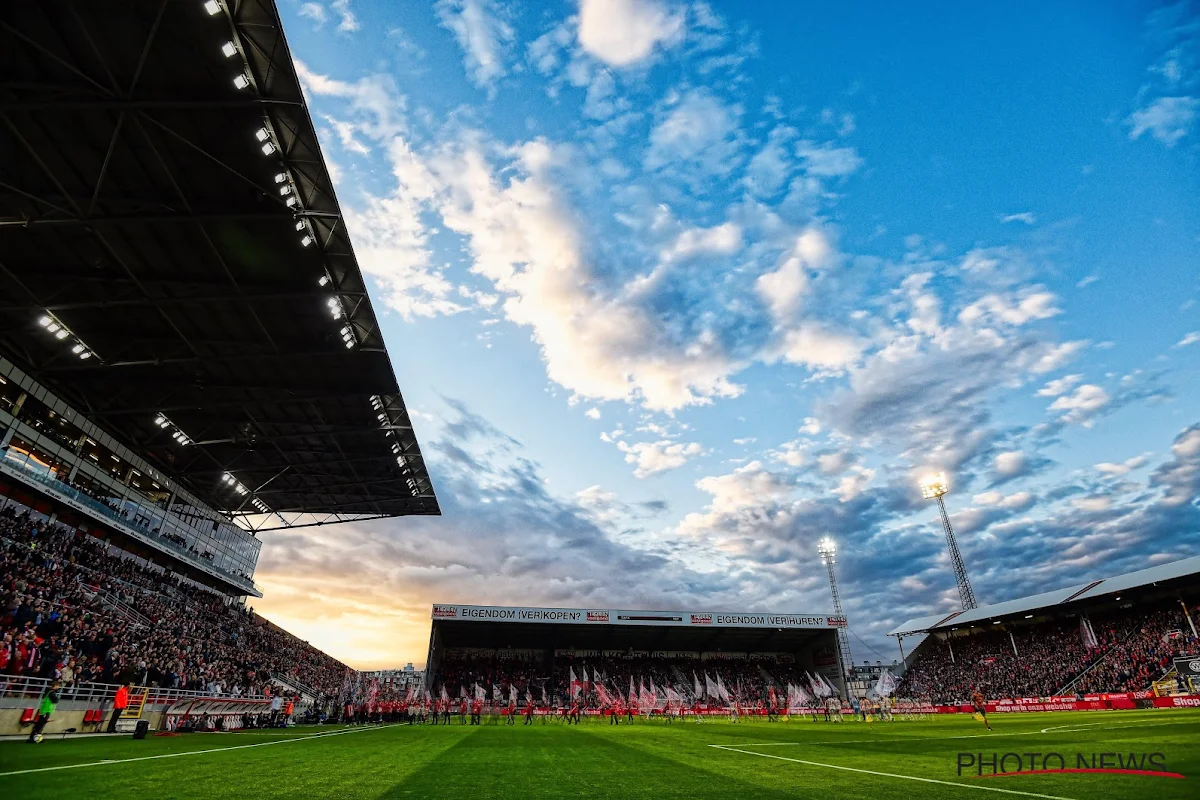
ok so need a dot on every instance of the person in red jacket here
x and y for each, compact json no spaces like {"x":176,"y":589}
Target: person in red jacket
{"x":120,"y":703}
{"x":476,"y":711}
{"x":462,"y":711}
{"x":529,"y":711}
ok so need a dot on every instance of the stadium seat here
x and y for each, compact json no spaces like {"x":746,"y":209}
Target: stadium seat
{"x":27,"y":716}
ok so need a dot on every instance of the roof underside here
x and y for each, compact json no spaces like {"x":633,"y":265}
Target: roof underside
{"x":138,"y":209}
{"x":1162,"y":576}
{"x":623,"y":637}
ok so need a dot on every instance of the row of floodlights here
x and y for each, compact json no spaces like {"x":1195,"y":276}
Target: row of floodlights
{"x":63,"y":334}
{"x":385,"y":423}
{"x":237,"y":486}
{"x":164,"y":422}
{"x":287,"y":188}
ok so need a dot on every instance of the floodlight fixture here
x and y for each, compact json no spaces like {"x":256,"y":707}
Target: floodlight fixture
{"x":934,"y":485}
{"x":229,"y":49}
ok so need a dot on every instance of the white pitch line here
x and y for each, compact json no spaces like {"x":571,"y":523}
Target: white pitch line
{"x":191,"y":752}
{"x":892,"y":774}
{"x":889,"y":741}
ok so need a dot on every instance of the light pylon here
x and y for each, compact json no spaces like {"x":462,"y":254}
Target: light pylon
{"x":828,"y":551}
{"x":934,"y":487}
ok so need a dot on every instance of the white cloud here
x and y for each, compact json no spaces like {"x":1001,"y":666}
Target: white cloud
{"x":1018,"y":501}
{"x":1028,"y":217}
{"x":812,"y":346}
{"x":723,"y":239}
{"x":745,"y":487}
{"x":1009,"y":309}
{"x":1189,"y":339}
{"x":811,"y":426}
{"x":1093,"y":504}
{"x":1010,"y":464}
{"x":1087,"y":281}
{"x":348,"y":22}
{"x":596,"y":340}
{"x":315,"y":12}
{"x":853,"y":483}
{"x":1059,"y":386}
{"x":652,"y":458}
{"x":484,"y":33}
{"x":592,"y":413}
{"x":697,"y":131}
{"x":1123,"y":468}
{"x":1168,"y":119}
{"x":827,"y":161}
{"x":782,"y":289}
{"x":1082,"y":405}
{"x":623,"y":32}
{"x":1058,"y":355}
{"x":770,"y":167}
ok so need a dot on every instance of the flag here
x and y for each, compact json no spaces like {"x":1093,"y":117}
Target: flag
{"x":1086,"y":633}
{"x":696,"y":686}
{"x":445,"y":695}
{"x":721,"y":691}
{"x":886,"y":684}
{"x":512,"y":695}
{"x":480,"y":693}
{"x":574,"y":685}
{"x":545,"y":700}
{"x":771,"y":698}
{"x":632,"y":694}
{"x":710,"y":688}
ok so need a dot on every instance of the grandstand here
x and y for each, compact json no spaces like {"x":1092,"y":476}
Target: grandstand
{"x":1125,"y":633}
{"x":188,"y":354}
{"x":539,"y":649}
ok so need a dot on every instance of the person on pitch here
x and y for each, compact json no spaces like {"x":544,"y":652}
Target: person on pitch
{"x":462,"y":711}
{"x":476,"y":711}
{"x":980,"y":704}
{"x":45,"y":710}
{"x":529,"y":710}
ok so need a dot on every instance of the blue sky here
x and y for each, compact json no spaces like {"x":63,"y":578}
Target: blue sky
{"x":676,"y":289}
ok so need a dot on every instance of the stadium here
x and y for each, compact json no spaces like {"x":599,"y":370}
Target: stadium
{"x":191,"y":366}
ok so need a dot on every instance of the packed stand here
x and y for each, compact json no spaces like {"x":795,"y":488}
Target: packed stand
{"x":746,"y":678}
{"x":1131,"y":649}
{"x":70,"y":609}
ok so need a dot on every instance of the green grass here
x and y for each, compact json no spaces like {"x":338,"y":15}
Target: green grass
{"x":646,"y":759}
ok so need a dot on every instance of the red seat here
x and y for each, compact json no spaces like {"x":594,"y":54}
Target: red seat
{"x":91,"y":715}
{"x":27,"y":716}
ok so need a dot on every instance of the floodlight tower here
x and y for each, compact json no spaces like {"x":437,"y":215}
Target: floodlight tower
{"x":827,"y":550}
{"x":934,"y":487}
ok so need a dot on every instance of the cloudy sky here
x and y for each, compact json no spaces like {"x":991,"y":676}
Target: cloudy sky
{"x":675,"y":289}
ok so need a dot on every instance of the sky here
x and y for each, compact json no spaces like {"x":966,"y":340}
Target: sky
{"x":675,"y":289}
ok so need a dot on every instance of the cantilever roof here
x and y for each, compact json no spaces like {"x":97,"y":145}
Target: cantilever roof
{"x":139,"y":209}
{"x":1092,"y":590}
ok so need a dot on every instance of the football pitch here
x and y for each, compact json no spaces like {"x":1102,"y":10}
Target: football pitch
{"x":651,"y":759}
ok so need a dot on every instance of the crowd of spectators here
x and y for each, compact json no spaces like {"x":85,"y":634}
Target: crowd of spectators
{"x":744,"y":676}
{"x":1131,"y":648}
{"x":74,"y":609}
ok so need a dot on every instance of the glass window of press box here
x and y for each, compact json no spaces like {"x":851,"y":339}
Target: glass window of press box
{"x":47,"y":441}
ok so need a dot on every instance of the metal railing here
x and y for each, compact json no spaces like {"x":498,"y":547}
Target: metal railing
{"x":22,"y":687}
{"x":70,"y":493}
